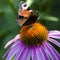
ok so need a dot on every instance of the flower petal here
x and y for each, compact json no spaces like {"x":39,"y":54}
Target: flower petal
{"x":54,"y":41}
{"x":57,"y":54}
{"x":50,"y":52}
{"x":34,"y":56}
{"x":28,"y":55}
{"x":16,"y":43}
{"x":9,"y":43}
{"x":13,"y":51}
{"x":19,"y":53}
{"x":16,"y":37}
{"x":54,"y":31}
{"x":5,"y":55}
{"x":12,"y":41}
{"x":23,"y":55}
{"x":38,"y":53}
{"x":54,"y":34}
{"x":44,"y":54}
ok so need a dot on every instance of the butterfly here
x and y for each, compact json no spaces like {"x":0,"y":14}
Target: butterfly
{"x":26,"y":15}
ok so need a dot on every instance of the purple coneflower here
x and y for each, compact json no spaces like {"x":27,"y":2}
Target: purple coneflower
{"x":34,"y":43}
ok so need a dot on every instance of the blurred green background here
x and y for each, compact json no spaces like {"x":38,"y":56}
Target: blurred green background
{"x":49,"y":14}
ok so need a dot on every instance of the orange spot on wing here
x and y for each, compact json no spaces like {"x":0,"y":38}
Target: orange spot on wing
{"x":25,"y":13}
{"x":22,"y":21}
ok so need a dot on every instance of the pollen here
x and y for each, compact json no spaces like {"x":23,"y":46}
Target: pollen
{"x":34,"y":34}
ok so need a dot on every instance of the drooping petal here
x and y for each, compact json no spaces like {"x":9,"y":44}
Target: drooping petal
{"x":19,"y":53}
{"x":54,"y":41}
{"x":28,"y":54}
{"x":54,"y":34}
{"x":57,"y":54}
{"x":13,"y":51}
{"x":34,"y":56}
{"x":17,"y":37}
{"x":50,"y":52}
{"x":9,"y":43}
{"x":44,"y":54}
{"x":24,"y":54}
{"x":16,"y":43}
{"x":5,"y":55}
{"x":38,"y":53}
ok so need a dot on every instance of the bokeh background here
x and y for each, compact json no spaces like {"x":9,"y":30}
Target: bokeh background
{"x":49,"y":14}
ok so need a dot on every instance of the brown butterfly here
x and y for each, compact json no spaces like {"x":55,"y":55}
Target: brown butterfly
{"x":26,"y":16}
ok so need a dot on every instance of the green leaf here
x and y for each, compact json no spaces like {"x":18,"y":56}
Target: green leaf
{"x":48,"y":17}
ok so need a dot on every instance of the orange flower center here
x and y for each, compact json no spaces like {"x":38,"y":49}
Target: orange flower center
{"x":34,"y":34}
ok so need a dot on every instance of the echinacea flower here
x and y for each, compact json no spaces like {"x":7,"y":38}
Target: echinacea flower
{"x":34,"y":43}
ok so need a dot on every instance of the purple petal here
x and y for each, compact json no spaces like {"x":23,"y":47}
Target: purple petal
{"x":45,"y":56}
{"x":16,"y":38}
{"x":19,"y":53}
{"x":54,"y":31}
{"x":9,"y":43}
{"x":38,"y":53}
{"x":54,"y":34}
{"x":24,"y":54}
{"x":50,"y":52}
{"x":16,"y":43}
{"x":13,"y":51}
{"x":57,"y":54}
{"x":54,"y":41}
{"x":34,"y":56}
{"x":5,"y":55}
{"x":28,"y":54}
